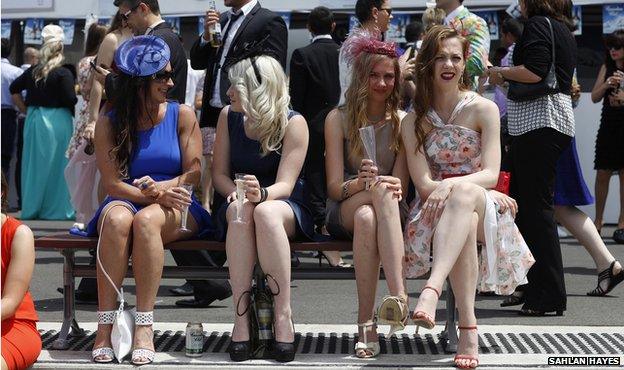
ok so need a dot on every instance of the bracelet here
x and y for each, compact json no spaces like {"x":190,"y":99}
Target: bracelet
{"x":345,"y":189}
{"x":264,"y":194}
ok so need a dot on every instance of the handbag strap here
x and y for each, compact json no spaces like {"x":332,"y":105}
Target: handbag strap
{"x":99,"y":261}
{"x":552,"y":42}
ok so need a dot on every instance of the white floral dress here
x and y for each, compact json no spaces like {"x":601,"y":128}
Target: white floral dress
{"x":505,"y":259}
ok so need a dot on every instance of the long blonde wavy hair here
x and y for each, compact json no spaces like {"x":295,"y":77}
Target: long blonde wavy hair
{"x":356,"y":101}
{"x":50,"y":57}
{"x":265,"y":103}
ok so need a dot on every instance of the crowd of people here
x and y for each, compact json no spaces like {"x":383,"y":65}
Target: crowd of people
{"x":399,"y":154}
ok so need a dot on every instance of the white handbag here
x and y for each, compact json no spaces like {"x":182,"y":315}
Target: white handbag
{"x":123,"y":324}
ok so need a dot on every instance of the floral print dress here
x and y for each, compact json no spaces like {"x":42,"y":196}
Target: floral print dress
{"x":82,"y":109}
{"x":451,"y":150}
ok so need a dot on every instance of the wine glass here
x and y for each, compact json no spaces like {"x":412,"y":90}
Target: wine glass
{"x":239,"y":180}
{"x":367,"y":134}
{"x":183,"y":219}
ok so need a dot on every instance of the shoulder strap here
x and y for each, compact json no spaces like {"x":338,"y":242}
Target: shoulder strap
{"x":552,"y":39}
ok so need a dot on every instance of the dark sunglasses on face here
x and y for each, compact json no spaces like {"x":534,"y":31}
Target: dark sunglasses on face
{"x":614,"y":47}
{"x":163,"y":76}
{"x":126,"y":15}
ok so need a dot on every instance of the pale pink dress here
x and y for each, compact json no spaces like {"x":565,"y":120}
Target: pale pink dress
{"x":505,"y":258}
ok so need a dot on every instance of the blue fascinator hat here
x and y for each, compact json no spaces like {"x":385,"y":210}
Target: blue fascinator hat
{"x":142,"y":56}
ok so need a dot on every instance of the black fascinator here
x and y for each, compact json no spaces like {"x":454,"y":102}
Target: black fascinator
{"x":250,"y":50}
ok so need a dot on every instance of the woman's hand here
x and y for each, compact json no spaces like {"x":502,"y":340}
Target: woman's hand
{"x":434,"y":205}
{"x":409,"y":69}
{"x":89,"y":131}
{"x":393,"y":183}
{"x":232,"y":197}
{"x":367,"y":173}
{"x":175,"y":197}
{"x":494,"y":76}
{"x":504,"y":202}
{"x":616,"y":99}
{"x":148,"y":187}
{"x":613,"y":82}
{"x":252,"y":188}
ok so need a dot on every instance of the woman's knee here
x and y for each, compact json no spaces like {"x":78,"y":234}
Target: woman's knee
{"x":382,"y":195}
{"x":266,"y":217}
{"x":118,"y":223}
{"x":364,"y":219}
{"x":246,"y":211}
{"x":464,"y":195}
{"x":148,"y":220}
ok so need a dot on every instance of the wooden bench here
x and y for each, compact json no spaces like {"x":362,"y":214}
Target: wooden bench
{"x":68,"y":245}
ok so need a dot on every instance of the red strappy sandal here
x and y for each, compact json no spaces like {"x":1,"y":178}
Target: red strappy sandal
{"x":473,"y":359}
{"x":421,"y":318}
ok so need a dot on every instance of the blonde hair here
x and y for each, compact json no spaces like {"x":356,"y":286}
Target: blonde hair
{"x":433,"y":17}
{"x":356,"y":101}
{"x":51,"y":56}
{"x":265,"y":103}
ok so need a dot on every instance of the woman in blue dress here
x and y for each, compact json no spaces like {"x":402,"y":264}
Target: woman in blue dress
{"x":146,"y":148}
{"x":257,"y":135}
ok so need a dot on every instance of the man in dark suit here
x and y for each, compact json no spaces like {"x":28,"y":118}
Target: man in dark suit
{"x":143,"y":17}
{"x":314,"y":91}
{"x":246,"y":22}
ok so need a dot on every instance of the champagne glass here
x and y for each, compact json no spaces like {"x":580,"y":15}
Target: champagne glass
{"x":185,"y":210}
{"x":367,"y":134}
{"x":239,"y":180}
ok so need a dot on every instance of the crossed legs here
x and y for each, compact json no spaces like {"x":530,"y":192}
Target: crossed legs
{"x":373,"y":216}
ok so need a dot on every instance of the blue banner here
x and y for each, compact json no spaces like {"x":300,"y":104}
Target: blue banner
{"x":68,"y":26}
{"x":491,"y":18}
{"x":32,"y":31}
{"x":612,"y":18}
{"x":577,"y":17}
{"x":396,"y":28}
{"x":6,"y":28}
{"x":174,"y":22}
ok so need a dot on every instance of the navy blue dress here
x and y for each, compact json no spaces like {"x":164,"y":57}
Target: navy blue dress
{"x":158,"y":155}
{"x":245,"y":157}
{"x":570,"y":187}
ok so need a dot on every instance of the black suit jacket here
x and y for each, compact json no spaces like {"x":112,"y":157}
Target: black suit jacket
{"x":178,"y":61}
{"x":314,"y":78}
{"x":259,"y":22}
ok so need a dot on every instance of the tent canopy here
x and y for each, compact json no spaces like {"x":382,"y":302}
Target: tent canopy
{"x":82,"y":8}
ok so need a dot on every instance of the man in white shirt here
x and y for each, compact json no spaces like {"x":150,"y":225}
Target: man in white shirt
{"x":9,"y":112}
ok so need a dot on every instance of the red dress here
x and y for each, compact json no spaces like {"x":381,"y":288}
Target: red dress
{"x":21,"y":342}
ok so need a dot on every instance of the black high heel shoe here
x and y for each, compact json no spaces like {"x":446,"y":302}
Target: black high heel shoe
{"x":340,"y":264}
{"x":240,"y":351}
{"x":284,"y":351}
{"x":607,"y":274}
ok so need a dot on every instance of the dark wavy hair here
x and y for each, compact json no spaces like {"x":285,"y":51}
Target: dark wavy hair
{"x":132,"y":93}
{"x":615,"y":39}
{"x":555,"y":9}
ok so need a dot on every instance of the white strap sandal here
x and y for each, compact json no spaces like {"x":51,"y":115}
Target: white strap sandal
{"x":143,"y":356}
{"x":366,"y":349}
{"x":104,"y":355}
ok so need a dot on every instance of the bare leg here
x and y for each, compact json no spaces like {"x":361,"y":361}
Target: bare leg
{"x":153,"y":226}
{"x":584,"y":230}
{"x":206,"y":182}
{"x":275,"y":223}
{"x":240,"y":245}
{"x":114,"y":249}
{"x":4,"y":365}
{"x":464,"y":276}
{"x":390,"y":239}
{"x":602,"y":190}
{"x":451,"y":235}
{"x":358,"y":215}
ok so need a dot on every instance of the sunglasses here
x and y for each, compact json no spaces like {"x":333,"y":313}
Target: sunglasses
{"x":163,"y":76}
{"x":126,"y":15}
{"x":388,"y":10}
{"x":614,"y":47}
